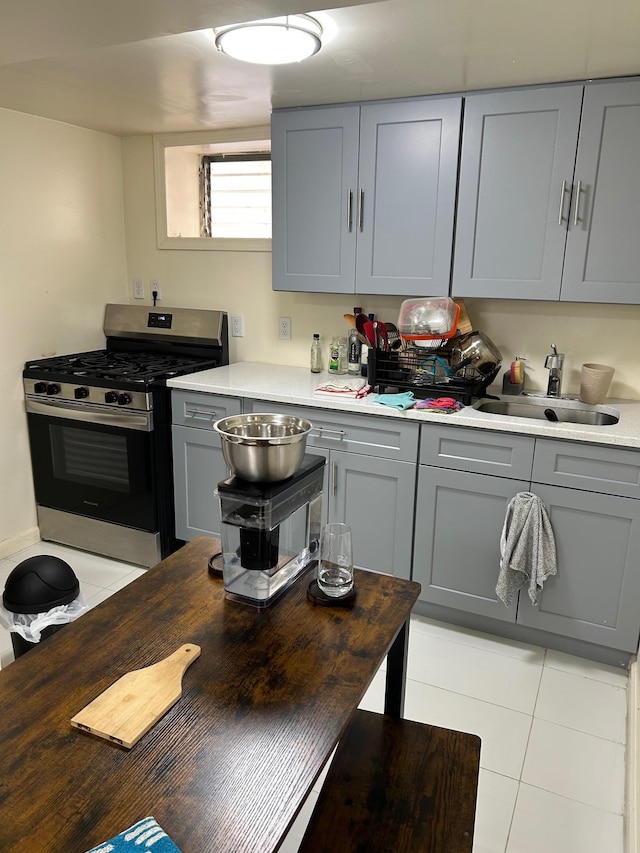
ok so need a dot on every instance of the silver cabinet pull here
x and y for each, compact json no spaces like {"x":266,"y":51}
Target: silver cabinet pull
{"x":562,"y":195}
{"x":323,"y":431}
{"x":360,"y":209}
{"x":199,"y":414}
{"x":350,"y":210}
{"x":334,"y":479}
{"x":576,"y":217}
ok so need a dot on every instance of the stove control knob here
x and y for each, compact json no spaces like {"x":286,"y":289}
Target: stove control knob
{"x":52,"y":389}
{"x":40,"y":387}
{"x":80,"y":393}
{"x":123,"y":399}
{"x":111,"y":397}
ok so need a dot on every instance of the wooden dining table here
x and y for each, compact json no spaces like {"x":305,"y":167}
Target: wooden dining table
{"x":230,"y":764}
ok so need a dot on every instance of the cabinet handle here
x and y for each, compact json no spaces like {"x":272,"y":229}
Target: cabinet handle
{"x":360,"y":209}
{"x":334,"y":479}
{"x":576,"y":217}
{"x":562,"y":195}
{"x":350,"y":210}
{"x":322,"y":431}
{"x":199,"y":414}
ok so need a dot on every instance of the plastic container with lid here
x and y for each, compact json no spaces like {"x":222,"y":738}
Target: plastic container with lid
{"x":428,"y":318}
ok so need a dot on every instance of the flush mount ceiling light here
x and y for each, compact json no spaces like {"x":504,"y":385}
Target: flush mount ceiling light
{"x":271,"y":41}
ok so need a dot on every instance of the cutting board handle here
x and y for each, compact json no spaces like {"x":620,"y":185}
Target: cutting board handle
{"x":180,"y":660}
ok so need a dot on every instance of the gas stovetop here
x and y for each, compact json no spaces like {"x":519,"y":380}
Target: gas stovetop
{"x":116,"y":368}
{"x":144,"y":348}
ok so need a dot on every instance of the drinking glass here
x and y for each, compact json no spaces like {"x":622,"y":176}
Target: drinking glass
{"x":335,"y":569}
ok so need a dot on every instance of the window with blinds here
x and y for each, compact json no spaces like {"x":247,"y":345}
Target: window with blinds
{"x":235,"y":195}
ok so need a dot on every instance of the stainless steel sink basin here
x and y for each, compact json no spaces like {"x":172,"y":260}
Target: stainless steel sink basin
{"x":551,"y":409}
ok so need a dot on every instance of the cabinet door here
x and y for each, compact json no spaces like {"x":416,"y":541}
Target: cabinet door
{"x":406,"y":196}
{"x":594,"y":596}
{"x":518,"y":152}
{"x":314,"y":156}
{"x":198,"y":467}
{"x":603,"y":250}
{"x":376,"y":498}
{"x":459,"y":520}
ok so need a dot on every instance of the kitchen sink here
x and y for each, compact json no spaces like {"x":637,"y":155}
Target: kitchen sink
{"x":551,"y":409}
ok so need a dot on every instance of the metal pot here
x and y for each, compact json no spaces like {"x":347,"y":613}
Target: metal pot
{"x":263,"y":447}
{"x":476,"y":350}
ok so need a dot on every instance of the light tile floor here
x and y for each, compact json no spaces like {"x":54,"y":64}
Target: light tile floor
{"x":552,"y":725}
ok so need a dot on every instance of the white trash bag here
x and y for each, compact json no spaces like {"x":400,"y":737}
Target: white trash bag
{"x":31,"y":625}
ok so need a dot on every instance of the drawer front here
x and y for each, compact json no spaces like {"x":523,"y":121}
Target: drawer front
{"x":191,"y":408}
{"x":592,"y":468}
{"x":477,"y":451}
{"x":387,"y":437}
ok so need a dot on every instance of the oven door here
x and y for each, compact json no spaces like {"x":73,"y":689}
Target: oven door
{"x":93,"y":461}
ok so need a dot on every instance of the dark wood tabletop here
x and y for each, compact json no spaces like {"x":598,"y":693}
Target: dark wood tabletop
{"x":228,"y":767}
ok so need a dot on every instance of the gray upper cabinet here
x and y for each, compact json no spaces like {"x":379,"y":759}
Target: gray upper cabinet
{"x":314,"y":157}
{"x":518,"y":153}
{"x":364,"y":197}
{"x":530,"y":225}
{"x":603,"y":251}
{"x":407,"y":191}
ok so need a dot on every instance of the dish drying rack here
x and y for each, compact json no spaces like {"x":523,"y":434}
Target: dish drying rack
{"x":424,"y":371}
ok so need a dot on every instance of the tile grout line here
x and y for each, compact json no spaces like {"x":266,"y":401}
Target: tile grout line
{"x":520,"y":782}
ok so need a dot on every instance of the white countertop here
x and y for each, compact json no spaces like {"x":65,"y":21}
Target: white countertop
{"x":296,"y":385}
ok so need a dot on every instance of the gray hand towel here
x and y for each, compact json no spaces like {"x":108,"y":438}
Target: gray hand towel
{"x":527,"y":548}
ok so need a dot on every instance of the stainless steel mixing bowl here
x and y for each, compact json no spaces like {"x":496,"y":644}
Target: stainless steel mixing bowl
{"x":262,"y":447}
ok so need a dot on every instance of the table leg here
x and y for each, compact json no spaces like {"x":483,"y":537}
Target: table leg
{"x":397,"y":673}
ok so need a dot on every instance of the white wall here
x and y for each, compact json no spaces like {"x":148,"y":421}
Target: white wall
{"x":62,"y":257}
{"x":240,"y":283}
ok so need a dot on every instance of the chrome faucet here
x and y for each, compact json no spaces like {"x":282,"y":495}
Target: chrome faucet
{"x":554,"y":362}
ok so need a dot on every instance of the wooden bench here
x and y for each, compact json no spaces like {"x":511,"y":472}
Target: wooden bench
{"x":396,"y":786}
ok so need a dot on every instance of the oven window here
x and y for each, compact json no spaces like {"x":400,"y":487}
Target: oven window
{"x":90,"y":458}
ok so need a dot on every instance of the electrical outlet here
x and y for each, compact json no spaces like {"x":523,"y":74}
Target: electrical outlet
{"x":237,"y":326}
{"x":284,"y":328}
{"x":138,"y":288}
{"x":154,"y":287}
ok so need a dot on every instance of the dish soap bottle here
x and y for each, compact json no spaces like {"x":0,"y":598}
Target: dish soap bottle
{"x":316,"y":355}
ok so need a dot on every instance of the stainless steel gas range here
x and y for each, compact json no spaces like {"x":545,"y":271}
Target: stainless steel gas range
{"x":100,"y":430}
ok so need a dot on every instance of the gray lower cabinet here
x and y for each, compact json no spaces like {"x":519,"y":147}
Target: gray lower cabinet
{"x":370,"y":479}
{"x":594,"y":597}
{"x":198,"y":463}
{"x":460,"y":511}
{"x":459,"y":517}
{"x":592,"y":496}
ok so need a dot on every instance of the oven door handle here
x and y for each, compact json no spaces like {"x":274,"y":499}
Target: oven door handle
{"x":90,"y":413}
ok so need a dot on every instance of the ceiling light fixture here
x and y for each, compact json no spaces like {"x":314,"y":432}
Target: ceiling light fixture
{"x":271,"y":41}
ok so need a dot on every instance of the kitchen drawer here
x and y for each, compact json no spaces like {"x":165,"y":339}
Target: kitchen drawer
{"x":387,"y":437}
{"x":190,"y":408}
{"x":477,"y":451}
{"x":592,"y":468}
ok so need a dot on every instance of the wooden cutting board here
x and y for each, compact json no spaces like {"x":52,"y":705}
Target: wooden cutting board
{"x":134,"y":703}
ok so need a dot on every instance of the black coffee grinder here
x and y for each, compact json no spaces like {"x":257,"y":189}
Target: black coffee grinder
{"x":270,"y":532}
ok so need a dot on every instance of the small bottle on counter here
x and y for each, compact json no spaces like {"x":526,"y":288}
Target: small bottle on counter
{"x":334,"y":356}
{"x":316,"y":354}
{"x":364,"y":360}
{"x":343,"y":355}
{"x":355,"y":348}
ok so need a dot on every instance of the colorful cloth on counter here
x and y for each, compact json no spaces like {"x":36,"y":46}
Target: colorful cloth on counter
{"x":144,"y":835}
{"x":397,"y":401}
{"x":446,"y":405}
{"x":527,"y":548}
